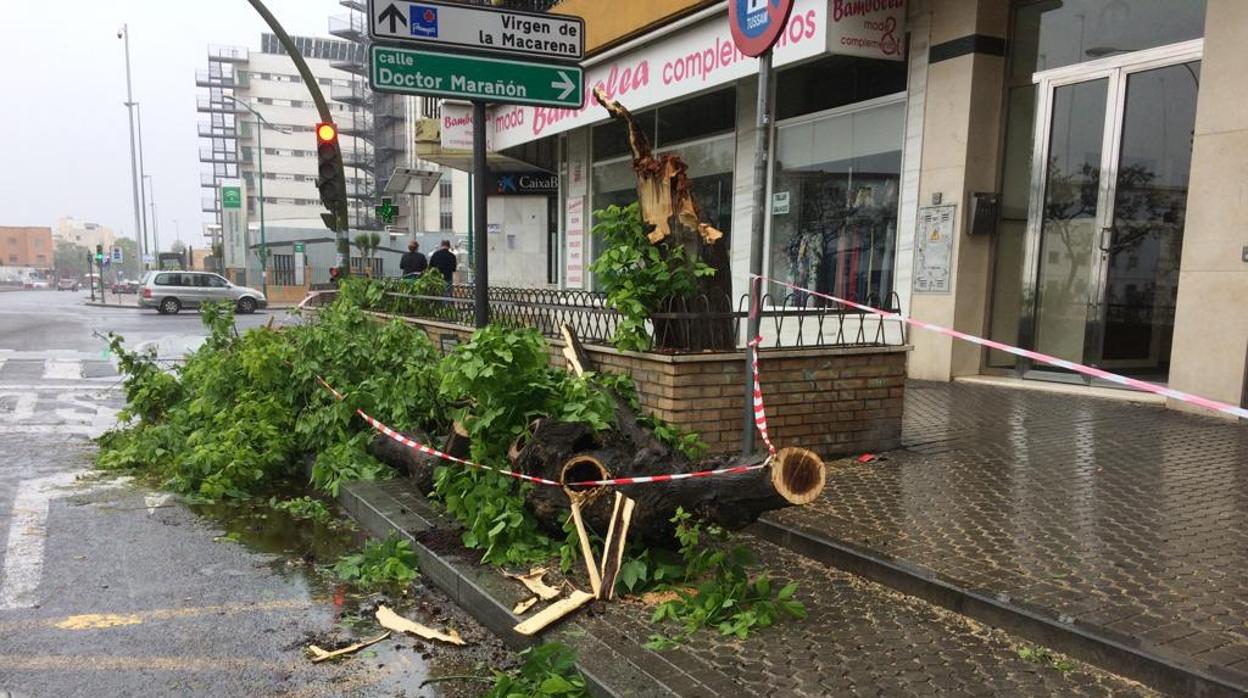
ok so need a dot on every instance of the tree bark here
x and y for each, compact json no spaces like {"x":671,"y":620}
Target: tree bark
{"x":418,"y":466}
{"x":673,"y":219}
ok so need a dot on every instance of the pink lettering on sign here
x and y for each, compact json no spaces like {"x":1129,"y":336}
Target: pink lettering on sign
{"x":855,"y":8}
{"x":618,"y":82}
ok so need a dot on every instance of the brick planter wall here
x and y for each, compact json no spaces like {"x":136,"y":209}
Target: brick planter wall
{"x":833,"y":401}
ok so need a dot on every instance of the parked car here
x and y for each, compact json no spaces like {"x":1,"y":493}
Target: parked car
{"x":170,"y":291}
{"x":68,"y":285}
{"x":36,"y":284}
{"x":125,"y":286}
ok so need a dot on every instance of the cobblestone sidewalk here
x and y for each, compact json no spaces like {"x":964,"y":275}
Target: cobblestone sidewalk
{"x":1127,"y":518}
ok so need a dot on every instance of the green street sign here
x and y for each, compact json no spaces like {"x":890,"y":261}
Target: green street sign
{"x":386,"y":211}
{"x":231,"y":197}
{"x":298,"y":248}
{"x":407,"y":72}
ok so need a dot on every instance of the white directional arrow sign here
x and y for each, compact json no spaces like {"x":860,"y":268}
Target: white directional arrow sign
{"x":564,"y":84}
{"x":535,"y":35}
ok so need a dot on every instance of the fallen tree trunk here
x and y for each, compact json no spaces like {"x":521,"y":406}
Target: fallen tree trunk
{"x":418,"y":466}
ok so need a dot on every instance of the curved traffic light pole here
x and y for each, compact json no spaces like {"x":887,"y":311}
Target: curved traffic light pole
{"x":338,"y":209}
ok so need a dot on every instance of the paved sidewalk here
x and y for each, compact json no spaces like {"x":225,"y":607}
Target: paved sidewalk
{"x":1130,"y":520}
{"x":859,"y":638}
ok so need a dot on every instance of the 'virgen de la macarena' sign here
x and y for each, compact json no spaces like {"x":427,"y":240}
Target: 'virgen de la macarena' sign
{"x":868,"y":28}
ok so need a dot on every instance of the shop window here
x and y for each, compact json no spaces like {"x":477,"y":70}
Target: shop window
{"x":834,"y":202}
{"x":1053,"y":34}
{"x":835,"y":81}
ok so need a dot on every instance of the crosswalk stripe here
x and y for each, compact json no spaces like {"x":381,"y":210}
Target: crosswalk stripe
{"x":62,"y":369}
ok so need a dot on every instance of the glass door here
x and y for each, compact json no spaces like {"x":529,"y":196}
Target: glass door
{"x":1105,"y":225}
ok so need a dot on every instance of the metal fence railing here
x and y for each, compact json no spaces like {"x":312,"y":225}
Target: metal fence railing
{"x":682,"y":325}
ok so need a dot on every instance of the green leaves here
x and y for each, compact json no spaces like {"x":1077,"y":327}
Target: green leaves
{"x":547,"y":670}
{"x":381,"y":563}
{"x":638,"y":276}
{"x":726,"y":597}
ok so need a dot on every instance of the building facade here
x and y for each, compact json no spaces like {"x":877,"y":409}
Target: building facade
{"x":1063,"y":177}
{"x":83,"y":233}
{"x":26,"y":246}
{"x":268,"y":82}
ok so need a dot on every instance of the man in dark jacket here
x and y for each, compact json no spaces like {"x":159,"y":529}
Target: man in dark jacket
{"x":413,"y":262}
{"x":444,"y":261}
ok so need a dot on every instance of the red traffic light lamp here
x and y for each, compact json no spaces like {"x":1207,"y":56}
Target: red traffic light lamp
{"x":326,"y":132}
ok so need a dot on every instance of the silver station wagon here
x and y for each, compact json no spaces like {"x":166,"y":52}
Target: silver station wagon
{"x":170,"y":291}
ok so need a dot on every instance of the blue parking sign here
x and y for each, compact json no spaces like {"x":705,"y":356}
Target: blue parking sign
{"x":424,"y":21}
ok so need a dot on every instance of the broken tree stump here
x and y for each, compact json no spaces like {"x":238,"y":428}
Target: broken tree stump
{"x":419,"y":466}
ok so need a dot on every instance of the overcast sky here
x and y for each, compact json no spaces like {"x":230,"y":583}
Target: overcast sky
{"x":67,"y":147}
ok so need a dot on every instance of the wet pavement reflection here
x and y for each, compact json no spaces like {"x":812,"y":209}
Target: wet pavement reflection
{"x":1126,"y":517}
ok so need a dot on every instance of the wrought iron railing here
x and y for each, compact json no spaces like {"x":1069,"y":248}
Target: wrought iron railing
{"x":682,"y":325}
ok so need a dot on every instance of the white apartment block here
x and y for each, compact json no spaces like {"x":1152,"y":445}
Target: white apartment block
{"x":83,"y":233}
{"x":268,"y":82}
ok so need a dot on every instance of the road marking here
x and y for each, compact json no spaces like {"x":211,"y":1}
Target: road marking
{"x":23,"y":404}
{"x":82,"y":389}
{"x":28,"y":530}
{"x":84,"y":621}
{"x":69,"y":662}
{"x":95,"y":621}
{"x":62,"y":369}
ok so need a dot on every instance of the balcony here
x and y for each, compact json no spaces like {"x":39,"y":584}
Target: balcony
{"x":355,"y":93}
{"x":356,"y":5}
{"x":214,"y":155}
{"x":355,"y":66}
{"x":363,"y":159}
{"x":215,"y":77}
{"x":227,"y":54}
{"x":209,"y":204}
{"x":357,"y":190}
{"x":208,"y":104}
{"x":211,"y":130}
{"x":360,"y":127}
{"x":351,"y":27}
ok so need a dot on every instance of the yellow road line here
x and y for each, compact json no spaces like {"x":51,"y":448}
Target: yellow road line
{"x":98,"y":621}
{"x":63,"y":662}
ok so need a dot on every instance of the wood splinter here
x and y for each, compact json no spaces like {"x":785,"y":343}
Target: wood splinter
{"x":320,"y":655}
{"x":533,"y":582}
{"x":393,"y":621}
{"x":613,"y":549}
{"x":554,"y":612}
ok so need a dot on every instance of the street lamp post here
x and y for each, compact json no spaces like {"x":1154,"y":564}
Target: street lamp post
{"x":151,"y":187}
{"x":261,"y":122}
{"x":124,"y":34}
{"x":138,"y":113}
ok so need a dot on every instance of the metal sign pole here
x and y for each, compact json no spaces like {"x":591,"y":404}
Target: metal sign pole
{"x":481,"y":255}
{"x":762,"y":147}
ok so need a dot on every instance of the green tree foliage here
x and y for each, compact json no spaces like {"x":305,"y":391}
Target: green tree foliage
{"x":638,"y":276}
{"x":547,"y":670}
{"x":70,"y":259}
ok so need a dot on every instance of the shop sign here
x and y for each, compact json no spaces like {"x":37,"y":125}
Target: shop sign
{"x":574,"y":254}
{"x":756,"y":24}
{"x":523,"y":183}
{"x":697,"y":59}
{"x":868,"y":28}
{"x":456,"y":127}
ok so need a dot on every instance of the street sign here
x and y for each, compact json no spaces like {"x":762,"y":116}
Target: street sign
{"x":386,"y":211}
{"x":407,"y":72}
{"x":231,"y":197}
{"x":118,"y":255}
{"x":757,"y":24}
{"x":492,"y":30}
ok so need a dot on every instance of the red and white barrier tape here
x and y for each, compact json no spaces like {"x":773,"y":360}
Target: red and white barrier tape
{"x":1162,"y":390}
{"x":760,"y":416}
{"x":613,"y":482}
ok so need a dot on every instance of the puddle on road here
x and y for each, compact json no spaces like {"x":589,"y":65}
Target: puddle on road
{"x":306,"y":549}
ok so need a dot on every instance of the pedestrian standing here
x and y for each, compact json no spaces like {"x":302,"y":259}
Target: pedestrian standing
{"x":444,"y":261}
{"x":413,"y":263}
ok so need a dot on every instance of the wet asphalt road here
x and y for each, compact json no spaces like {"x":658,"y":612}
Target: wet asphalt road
{"x":108,"y":588}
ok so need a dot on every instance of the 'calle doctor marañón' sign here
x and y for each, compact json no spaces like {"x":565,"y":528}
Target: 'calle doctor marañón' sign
{"x":868,"y":28}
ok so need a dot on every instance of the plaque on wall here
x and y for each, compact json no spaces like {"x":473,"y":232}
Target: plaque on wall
{"x":933,"y":249}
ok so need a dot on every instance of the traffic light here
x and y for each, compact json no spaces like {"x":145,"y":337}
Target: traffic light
{"x":330,"y":179}
{"x":99,"y":254}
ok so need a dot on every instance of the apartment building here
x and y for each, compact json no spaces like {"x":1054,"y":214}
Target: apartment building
{"x":26,"y":246}
{"x":83,"y":233}
{"x":234,"y":148}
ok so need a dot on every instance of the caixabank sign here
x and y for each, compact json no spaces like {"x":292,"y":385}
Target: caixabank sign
{"x":523,"y":184}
